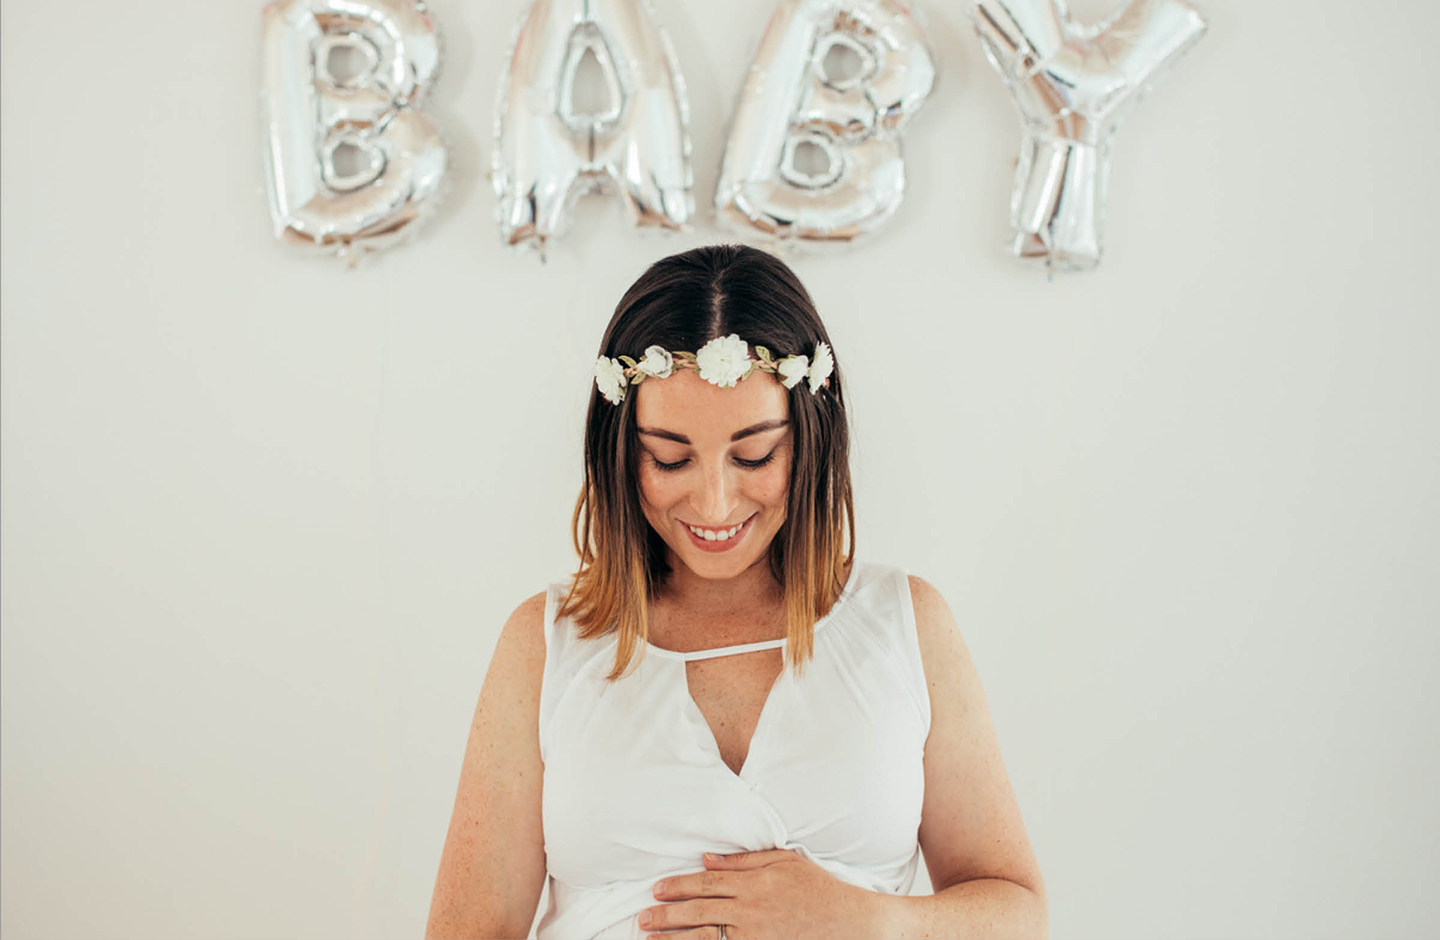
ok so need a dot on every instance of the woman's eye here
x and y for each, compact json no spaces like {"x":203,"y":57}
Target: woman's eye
{"x":747,"y":464}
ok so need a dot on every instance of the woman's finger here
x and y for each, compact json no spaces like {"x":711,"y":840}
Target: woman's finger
{"x":700,"y":884}
{"x":711,"y":932}
{"x":740,"y":860}
{"x":697,"y":912}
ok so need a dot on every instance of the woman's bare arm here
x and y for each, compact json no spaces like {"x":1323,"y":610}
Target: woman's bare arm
{"x":986,"y":880}
{"x":492,"y":869}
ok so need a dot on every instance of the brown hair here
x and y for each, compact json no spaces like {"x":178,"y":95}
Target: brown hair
{"x":681,"y":303}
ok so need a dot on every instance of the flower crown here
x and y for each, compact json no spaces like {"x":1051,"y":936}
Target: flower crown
{"x":723,"y":361}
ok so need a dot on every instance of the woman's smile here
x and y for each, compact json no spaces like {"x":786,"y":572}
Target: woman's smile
{"x":717,"y":540}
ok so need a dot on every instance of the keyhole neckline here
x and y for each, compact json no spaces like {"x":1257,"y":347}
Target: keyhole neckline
{"x":824,"y":621}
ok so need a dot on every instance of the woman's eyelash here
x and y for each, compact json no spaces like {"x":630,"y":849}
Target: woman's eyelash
{"x":749,"y":464}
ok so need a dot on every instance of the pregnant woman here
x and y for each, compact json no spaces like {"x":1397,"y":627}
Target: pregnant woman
{"x":725,"y":726}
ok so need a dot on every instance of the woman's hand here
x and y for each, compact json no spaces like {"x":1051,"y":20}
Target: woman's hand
{"x":778,"y":894}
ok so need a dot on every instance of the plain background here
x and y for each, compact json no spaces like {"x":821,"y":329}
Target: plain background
{"x":263,"y":517}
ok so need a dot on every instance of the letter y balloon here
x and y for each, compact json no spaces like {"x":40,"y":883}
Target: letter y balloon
{"x":1072,"y":86}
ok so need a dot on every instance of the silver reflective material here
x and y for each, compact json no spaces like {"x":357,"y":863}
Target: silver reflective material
{"x":548,"y":153}
{"x":351,"y":163}
{"x":796,"y":99}
{"x":1072,"y":86}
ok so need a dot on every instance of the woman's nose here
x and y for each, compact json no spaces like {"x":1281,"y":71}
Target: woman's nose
{"x":717,"y":498}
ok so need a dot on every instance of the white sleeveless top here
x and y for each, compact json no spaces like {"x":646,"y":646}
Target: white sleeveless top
{"x":635,"y":789}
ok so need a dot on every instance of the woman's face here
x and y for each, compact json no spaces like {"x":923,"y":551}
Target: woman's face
{"x":712,"y":459}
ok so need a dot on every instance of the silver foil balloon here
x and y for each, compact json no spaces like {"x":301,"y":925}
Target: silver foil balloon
{"x":352,"y":164}
{"x":1072,"y":86}
{"x":795,"y":99}
{"x":548,"y":153}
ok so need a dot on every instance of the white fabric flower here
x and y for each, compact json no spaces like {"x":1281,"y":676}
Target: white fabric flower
{"x":657,"y":362}
{"x":792,"y":370}
{"x":724,"y":361}
{"x":821,"y":368}
{"x":610,"y":379}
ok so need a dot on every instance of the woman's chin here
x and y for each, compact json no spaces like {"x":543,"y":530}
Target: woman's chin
{"x":719,"y":566}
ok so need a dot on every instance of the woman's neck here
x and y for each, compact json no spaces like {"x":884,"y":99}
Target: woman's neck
{"x":684,"y":588}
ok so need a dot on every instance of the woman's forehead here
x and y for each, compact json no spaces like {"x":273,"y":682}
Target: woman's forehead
{"x":686,"y":404}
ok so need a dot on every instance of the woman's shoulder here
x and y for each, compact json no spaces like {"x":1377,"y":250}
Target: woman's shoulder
{"x":869,"y":573}
{"x":540,"y":608}
{"x":542,"y":615}
{"x":523,"y":634}
{"x":923,"y":593}
{"x":928,"y":603}
{"x":531,"y":611}
{"x":933,"y":620}
{"x":937,"y":634}
{"x":871,"y":570}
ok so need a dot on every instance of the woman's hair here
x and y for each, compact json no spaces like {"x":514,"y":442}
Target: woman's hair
{"x":681,"y":303}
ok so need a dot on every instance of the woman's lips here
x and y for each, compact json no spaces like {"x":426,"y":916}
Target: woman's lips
{"x":706,"y":545}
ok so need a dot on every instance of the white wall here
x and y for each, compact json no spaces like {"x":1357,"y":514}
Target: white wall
{"x":263,"y":518}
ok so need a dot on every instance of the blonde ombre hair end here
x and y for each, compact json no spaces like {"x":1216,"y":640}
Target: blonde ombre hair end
{"x":683,"y":302}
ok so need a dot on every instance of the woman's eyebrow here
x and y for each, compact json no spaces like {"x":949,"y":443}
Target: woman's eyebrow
{"x":770,"y":425}
{"x":743,"y":433}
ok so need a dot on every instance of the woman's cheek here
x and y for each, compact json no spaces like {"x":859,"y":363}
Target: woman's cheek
{"x":651,"y":492}
{"x":775,"y":481}
{"x":662,"y":489}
